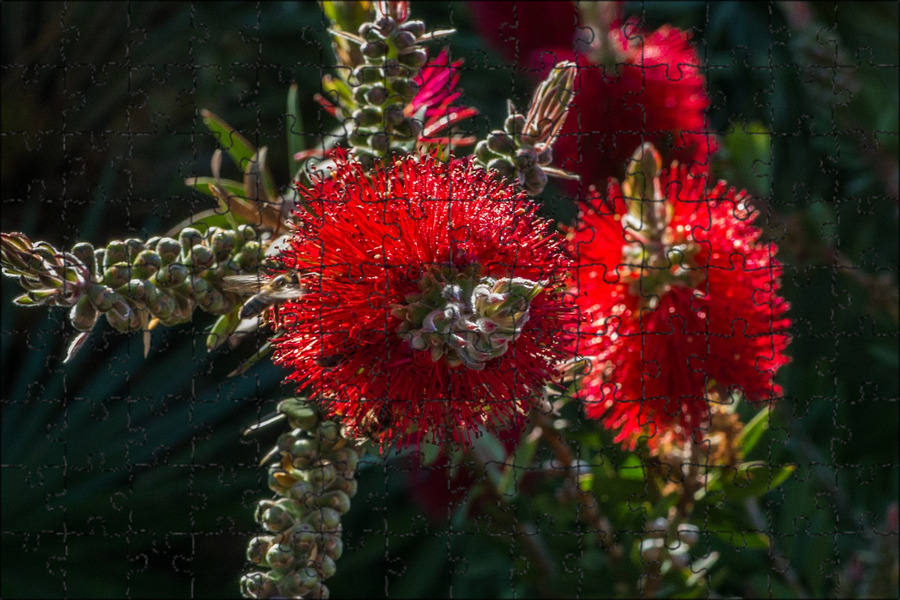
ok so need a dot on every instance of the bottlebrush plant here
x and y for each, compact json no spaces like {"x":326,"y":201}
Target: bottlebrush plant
{"x":419,"y":302}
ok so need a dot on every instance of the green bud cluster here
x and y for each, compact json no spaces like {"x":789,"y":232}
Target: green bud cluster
{"x":521,"y":151}
{"x":466,"y":320}
{"x":510,"y":154}
{"x":384,"y":85}
{"x":131,"y":281}
{"x":314,"y":478}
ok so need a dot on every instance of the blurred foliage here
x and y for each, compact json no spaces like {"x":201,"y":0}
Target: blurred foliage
{"x":128,"y":477}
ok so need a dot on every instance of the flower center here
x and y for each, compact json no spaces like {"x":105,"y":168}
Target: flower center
{"x":467,"y":320}
{"x":656,"y":256}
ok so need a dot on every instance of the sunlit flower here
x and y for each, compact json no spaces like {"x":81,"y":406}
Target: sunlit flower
{"x":683,"y":301}
{"x":434,"y":299}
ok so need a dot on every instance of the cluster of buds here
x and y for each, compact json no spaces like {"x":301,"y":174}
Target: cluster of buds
{"x":522,"y":151}
{"x":384,"y":85}
{"x":656,"y":256}
{"x":467,"y":321}
{"x":314,"y":479}
{"x":134,"y":283}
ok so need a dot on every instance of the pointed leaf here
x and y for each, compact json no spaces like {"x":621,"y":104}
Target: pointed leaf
{"x":237,"y":146}
{"x":263,"y":351}
{"x":753,"y":431}
{"x":294,"y":128}
{"x":221,"y":329}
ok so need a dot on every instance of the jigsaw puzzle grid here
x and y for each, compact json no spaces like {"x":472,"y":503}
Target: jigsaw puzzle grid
{"x":125,"y":476}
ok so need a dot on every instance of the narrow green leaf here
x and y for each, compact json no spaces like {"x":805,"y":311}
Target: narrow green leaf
{"x":293,"y":128}
{"x":753,"y":431}
{"x":222,"y":328}
{"x":263,"y":351}
{"x":237,"y":146}
{"x":751,"y":480}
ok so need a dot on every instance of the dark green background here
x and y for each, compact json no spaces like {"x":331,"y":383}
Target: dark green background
{"x":125,"y":476}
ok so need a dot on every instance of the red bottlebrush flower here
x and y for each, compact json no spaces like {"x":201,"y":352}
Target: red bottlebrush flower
{"x":434,"y":299}
{"x":632,"y":86}
{"x":683,"y":303}
{"x":437,"y":93}
{"x":651,"y":91}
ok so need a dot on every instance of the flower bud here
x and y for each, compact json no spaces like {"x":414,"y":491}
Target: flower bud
{"x":417,"y":28}
{"x":327,"y":567}
{"x":504,"y":168}
{"x":392,"y":68}
{"x":84,"y":252}
{"x":324,"y":519}
{"x":258,"y":585}
{"x":374,"y":49}
{"x":134,"y":247}
{"x":189,"y":237}
{"x":366,"y":117}
{"x":135,"y":291}
{"x":379,"y":142}
{"x":84,"y":314}
{"x":168,"y":250}
{"x":101,"y":297}
{"x":322,"y":475}
{"x":535,"y":180}
{"x":406,"y":88}
{"x":146,"y":264}
{"x":117,"y":275}
{"x":257,"y":548}
{"x":366,"y":74}
{"x":201,"y":256}
{"x":116,"y":252}
{"x":336,"y":500}
{"x":280,"y":557}
{"x":246,"y":233}
{"x":171,"y":275}
{"x":376,"y":95}
{"x":333,"y":546}
{"x":222,"y":244}
{"x":386,"y":26}
{"x":414,"y":58}
{"x":403,"y":40}
{"x":501,"y":143}
{"x":514,"y":124}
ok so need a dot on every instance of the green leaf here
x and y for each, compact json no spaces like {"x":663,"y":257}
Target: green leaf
{"x":293,"y":128}
{"x":237,"y":146}
{"x":751,"y":480}
{"x":222,"y":328}
{"x":753,"y":431}
{"x":520,"y":462}
{"x":263,"y":351}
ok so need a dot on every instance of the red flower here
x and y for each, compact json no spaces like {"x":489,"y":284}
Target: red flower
{"x":437,"y":95}
{"x":655,"y":93}
{"x":682,"y":305}
{"x":632,"y":86}
{"x":433,"y":299}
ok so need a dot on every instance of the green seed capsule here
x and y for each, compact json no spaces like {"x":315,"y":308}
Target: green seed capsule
{"x":376,"y":95}
{"x":222,"y":243}
{"x":84,"y":314}
{"x":324,"y":519}
{"x":336,"y":500}
{"x":165,"y":306}
{"x":323,"y":475}
{"x":250,"y":255}
{"x":501,"y":143}
{"x":417,"y":28}
{"x":117,"y":275}
{"x":135,"y":291}
{"x":393,"y":69}
{"x":146,"y":264}
{"x":101,"y":297}
{"x":374,"y":49}
{"x":246,"y":233}
{"x":124,"y":322}
{"x":258,"y":585}
{"x":379,"y":142}
{"x":171,"y":275}
{"x":201,"y":256}
{"x":514,"y":124}
{"x":168,"y":249}
{"x":327,"y":567}
{"x":535,"y":180}
{"x":348,"y":486}
{"x":280,"y":557}
{"x":84,"y":252}
{"x":134,"y":246}
{"x":483,"y":152}
{"x":345,"y":459}
{"x":333,"y":546}
{"x":189,"y":237}
{"x":116,"y":252}
{"x":504,"y":168}
{"x":406,"y":88}
{"x":414,"y":58}
{"x":366,"y":117}
{"x":257,"y":548}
